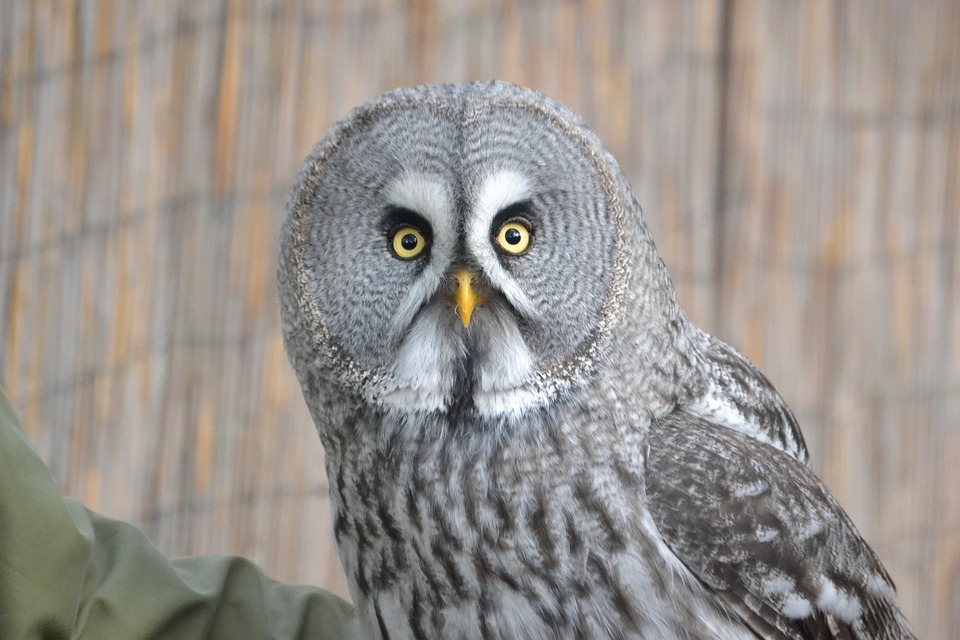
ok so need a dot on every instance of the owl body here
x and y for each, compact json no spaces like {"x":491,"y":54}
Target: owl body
{"x":446,"y":536}
{"x":525,"y":436}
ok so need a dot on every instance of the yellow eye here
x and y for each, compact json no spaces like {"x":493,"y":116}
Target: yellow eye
{"x":407,"y":242}
{"x":513,"y":237}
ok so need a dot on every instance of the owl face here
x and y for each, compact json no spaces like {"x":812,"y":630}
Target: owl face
{"x":454,"y":252}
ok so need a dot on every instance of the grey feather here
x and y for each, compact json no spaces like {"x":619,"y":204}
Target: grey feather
{"x":577,"y":461}
{"x":739,"y":396}
{"x":760,"y":529}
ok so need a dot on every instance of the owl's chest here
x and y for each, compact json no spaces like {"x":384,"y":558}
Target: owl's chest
{"x":446,"y":552}
{"x":499,"y":546}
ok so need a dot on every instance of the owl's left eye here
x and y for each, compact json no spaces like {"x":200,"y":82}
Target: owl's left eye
{"x":513,"y":236}
{"x":407,"y":242}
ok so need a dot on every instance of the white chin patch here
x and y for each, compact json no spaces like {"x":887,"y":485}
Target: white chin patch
{"x":422,"y":376}
{"x":503,"y":367}
{"x":507,"y":403}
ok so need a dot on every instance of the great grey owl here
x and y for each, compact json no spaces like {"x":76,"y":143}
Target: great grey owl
{"x":525,"y":436}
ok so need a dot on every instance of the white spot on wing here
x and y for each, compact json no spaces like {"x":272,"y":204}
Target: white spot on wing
{"x":837,"y":602}
{"x":796,"y":606}
{"x":880,"y":586}
{"x":812,"y":528}
{"x":779,"y":583}
{"x":766,"y":534}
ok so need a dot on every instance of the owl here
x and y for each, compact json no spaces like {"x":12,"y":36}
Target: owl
{"x":525,"y":436}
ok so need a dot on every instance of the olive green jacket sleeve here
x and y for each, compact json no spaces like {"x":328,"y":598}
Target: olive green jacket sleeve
{"x":66,"y":572}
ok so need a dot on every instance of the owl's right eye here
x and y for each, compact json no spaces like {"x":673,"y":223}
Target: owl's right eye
{"x":407,"y":242}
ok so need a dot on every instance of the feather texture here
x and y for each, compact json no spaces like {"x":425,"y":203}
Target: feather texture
{"x":759,"y":528}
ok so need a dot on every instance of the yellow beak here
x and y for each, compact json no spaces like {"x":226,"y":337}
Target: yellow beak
{"x":465,"y":297}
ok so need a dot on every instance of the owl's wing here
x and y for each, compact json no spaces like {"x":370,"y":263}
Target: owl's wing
{"x":761,"y":530}
{"x":740,"y":397}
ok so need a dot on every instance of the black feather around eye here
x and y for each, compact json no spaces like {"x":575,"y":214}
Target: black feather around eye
{"x":395,"y":221}
{"x":521,"y":211}
{"x":396,"y":217}
{"x":518,"y":216}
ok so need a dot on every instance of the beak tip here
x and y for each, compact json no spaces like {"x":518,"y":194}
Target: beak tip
{"x":465,"y":298}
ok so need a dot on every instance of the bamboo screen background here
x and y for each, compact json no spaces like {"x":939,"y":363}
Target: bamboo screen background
{"x":799,"y":164}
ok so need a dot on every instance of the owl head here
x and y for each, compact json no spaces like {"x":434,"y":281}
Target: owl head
{"x":467,"y":249}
